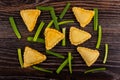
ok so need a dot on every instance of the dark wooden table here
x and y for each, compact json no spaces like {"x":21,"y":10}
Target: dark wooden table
{"x":109,"y":18}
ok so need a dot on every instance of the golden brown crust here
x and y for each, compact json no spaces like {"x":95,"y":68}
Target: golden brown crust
{"x":29,"y":17}
{"x":52,"y":37}
{"x":78,"y":36}
{"x":89,"y":55}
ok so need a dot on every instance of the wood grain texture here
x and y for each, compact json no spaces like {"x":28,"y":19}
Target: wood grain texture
{"x":109,"y":18}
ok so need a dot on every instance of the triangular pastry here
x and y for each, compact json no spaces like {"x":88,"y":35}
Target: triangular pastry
{"x":29,"y":17}
{"x":88,"y":55}
{"x":32,"y":57}
{"x":83,"y":16}
{"x":78,"y":36}
{"x":52,"y":37}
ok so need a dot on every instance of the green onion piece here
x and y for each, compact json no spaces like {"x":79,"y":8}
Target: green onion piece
{"x":14,"y":27}
{"x":38,"y":31}
{"x":54,"y":17}
{"x":60,"y":23}
{"x":52,"y":12}
{"x":64,"y":40}
{"x":42,"y":69}
{"x":64,"y":10}
{"x":69,"y":61}
{"x":38,"y":40}
{"x":50,"y":24}
{"x":96,"y":69}
{"x":106,"y":53}
{"x":95,"y":19}
{"x":62,"y":66}
{"x":99,"y":37}
{"x":43,"y":8}
{"x":65,"y":22}
{"x":20,"y":57}
{"x":55,"y":54}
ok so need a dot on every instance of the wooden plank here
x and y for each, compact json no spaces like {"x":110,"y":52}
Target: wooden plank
{"x":109,"y":18}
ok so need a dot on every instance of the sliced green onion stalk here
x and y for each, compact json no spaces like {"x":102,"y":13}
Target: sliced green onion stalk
{"x":20,"y":57}
{"x":54,"y":17}
{"x":62,"y":66}
{"x":52,"y":12}
{"x":65,"y":22}
{"x":42,"y":69}
{"x":50,"y":24}
{"x":38,"y":31}
{"x":44,"y":8}
{"x":65,"y":62}
{"x":38,"y":40}
{"x":64,"y":40}
{"x":95,"y":19}
{"x":69,"y":61}
{"x":94,"y":70}
{"x":99,"y":37}
{"x":106,"y":53}
{"x":14,"y":27}
{"x":64,"y":10}
{"x":60,"y":23}
{"x":55,"y":54}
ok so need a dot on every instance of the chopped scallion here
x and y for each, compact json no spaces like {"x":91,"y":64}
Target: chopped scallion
{"x":106,"y":53}
{"x":99,"y":37}
{"x":38,"y":31}
{"x":55,"y":54}
{"x":42,"y":69}
{"x":95,"y":19}
{"x":20,"y":57}
{"x":64,"y":10}
{"x":50,"y":24}
{"x":65,"y":22}
{"x":62,"y":66}
{"x":38,"y":40}
{"x":65,"y":62}
{"x":94,"y":70}
{"x":54,"y":17}
{"x":14,"y":27}
{"x":44,"y":8}
{"x":69,"y":61}
{"x":64,"y":40}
